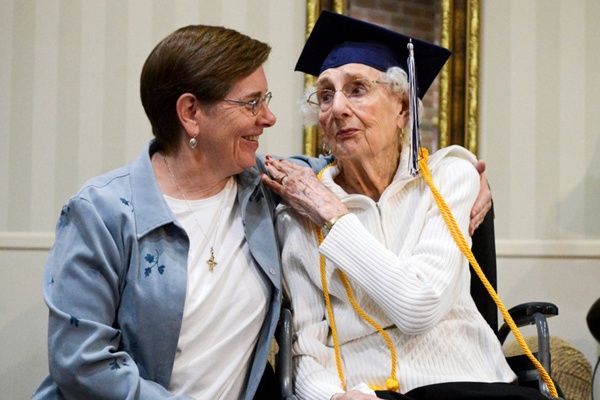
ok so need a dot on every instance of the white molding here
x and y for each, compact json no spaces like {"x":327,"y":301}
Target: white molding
{"x":547,"y":248}
{"x":26,"y":240}
{"x":505,"y":248}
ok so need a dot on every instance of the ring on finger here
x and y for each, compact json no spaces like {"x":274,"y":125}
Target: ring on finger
{"x":282,"y":178}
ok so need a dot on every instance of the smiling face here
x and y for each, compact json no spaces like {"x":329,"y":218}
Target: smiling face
{"x":366,"y":129}
{"x":228,"y":132}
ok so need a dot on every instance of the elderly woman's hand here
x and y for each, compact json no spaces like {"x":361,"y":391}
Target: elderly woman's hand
{"x":353,"y":395}
{"x":483,"y":204}
{"x":300,"y":188}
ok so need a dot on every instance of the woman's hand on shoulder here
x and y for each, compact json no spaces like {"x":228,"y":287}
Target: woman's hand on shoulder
{"x":300,"y":188}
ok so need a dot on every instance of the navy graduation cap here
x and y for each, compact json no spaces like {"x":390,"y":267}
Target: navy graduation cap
{"x":337,"y":40}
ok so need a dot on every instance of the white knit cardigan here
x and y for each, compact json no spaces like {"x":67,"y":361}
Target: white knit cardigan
{"x":406,"y":273}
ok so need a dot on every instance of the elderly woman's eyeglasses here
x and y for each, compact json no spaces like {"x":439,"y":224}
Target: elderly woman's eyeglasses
{"x":253,"y":105}
{"x":355,"y":91}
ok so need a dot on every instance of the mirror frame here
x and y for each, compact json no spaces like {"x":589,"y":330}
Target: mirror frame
{"x":459,"y":79}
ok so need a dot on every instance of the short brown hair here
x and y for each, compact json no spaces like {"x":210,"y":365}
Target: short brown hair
{"x":205,"y":61}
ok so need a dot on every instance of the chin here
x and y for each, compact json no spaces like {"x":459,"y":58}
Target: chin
{"x":248,"y":162}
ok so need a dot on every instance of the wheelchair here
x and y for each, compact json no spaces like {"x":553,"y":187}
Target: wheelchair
{"x":484,"y":250}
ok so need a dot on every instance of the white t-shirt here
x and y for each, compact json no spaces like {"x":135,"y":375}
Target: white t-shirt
{"x":224,"y":309}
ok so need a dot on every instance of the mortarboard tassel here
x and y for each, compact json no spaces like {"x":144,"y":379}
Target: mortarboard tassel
{"x":415,"y":134}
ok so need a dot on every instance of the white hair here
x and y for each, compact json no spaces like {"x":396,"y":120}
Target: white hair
{"x":310,"y":113}
{"x":395,"y":78}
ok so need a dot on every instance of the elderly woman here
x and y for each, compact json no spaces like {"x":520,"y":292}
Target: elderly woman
{"x":387,"y":285}
{"x":164,"y":278}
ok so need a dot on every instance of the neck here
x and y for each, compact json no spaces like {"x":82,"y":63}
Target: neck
{"x":368,"y":177}
{"x":183,"y":176}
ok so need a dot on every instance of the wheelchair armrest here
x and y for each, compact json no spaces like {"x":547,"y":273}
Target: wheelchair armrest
{"x":284,"y":356}
{"x":529,"y":314}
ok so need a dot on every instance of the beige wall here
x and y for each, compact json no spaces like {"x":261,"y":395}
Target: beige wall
{"x":540,"y":134}
{"x":70,"y":110}
{"x":70,"y":107}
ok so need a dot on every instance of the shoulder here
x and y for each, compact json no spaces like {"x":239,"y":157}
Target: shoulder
{"x":134,"y":176}
{"x":108,"y":199}
{"x":103,"y":202}
{"x":452,"y":159}
{"x":135,"y":179}
{"x":316,"y":163}
{"x":106,"y":187}
{"x":453,"y":152}
{"x":453,"y":172}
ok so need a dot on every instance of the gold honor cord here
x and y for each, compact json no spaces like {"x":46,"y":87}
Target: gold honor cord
{"x":464,"y":247}
{"x":392,"y":383}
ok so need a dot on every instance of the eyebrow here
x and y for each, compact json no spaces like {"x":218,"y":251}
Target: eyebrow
{"x":257,"y":94}
{"x":348,"y":77}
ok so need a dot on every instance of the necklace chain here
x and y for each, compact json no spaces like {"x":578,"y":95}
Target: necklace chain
{"x":211,"y":261}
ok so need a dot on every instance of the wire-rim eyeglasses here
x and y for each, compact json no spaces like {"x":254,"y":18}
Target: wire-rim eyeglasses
{"x":355,"y":91}
{"x":255,"y":104}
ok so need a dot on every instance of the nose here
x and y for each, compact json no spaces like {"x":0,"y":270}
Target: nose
{"x":265,"y":117}
{"x":340,"y":104}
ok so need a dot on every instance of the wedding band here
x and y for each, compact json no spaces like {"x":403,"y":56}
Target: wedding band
{"x":282,"y":178}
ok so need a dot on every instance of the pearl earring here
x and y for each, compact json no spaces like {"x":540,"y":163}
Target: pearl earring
{"x":193,"y":143}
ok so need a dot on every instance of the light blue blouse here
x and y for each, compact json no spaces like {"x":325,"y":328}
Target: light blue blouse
{"x":115,"y":283}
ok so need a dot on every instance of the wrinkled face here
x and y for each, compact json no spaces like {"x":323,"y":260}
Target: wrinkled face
{"x":361,"y":127}
{"x":230,"y":132}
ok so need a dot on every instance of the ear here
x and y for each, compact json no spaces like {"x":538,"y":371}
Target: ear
{"x":188,"y":107}
{"x":402,"y":118}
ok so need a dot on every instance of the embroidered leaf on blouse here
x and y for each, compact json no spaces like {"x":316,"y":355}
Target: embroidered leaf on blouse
{"x":74,"y":321}
{"x":154,"y":262}
{"x":128,"y":203}
{"x":115,"y":364}
{"x":63,"y":220}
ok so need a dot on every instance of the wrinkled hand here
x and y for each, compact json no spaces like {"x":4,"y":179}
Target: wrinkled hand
{"x":300,"y":188}
{"x":483,"y":203}
{"x":353,"y":395}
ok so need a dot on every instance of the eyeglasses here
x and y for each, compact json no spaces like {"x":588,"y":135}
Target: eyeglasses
{"x":355,"y":91}
{"x":255,"y":104}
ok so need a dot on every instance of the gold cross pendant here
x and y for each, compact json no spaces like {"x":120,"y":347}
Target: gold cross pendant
{"x":211,"y":261}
